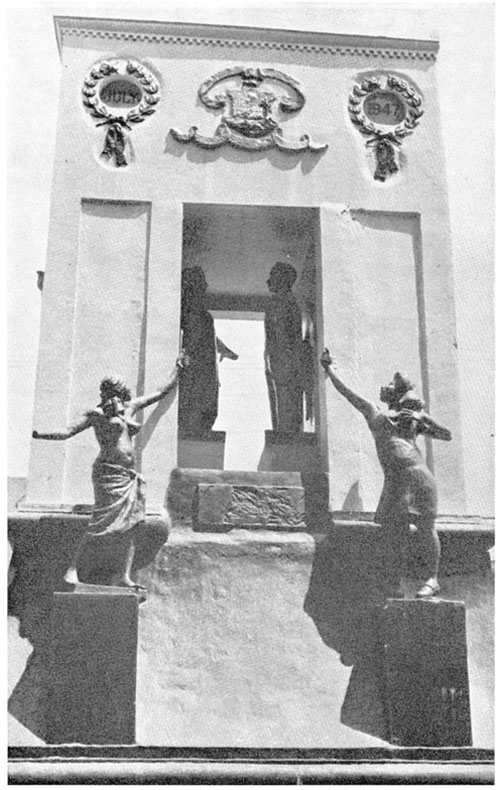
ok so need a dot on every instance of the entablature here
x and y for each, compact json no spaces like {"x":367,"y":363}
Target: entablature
{"x":201,"y":35}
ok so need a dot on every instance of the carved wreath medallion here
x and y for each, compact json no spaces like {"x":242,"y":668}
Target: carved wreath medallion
{"x":120,"y":93}
{"x":250,"y":99}
{"x":385,"y":109}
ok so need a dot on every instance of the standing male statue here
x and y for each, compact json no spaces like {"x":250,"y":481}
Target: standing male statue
{"x":284,"y":351}
{"x":199,"y":389}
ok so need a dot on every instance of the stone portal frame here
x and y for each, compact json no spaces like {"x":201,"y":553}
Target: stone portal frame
{"x":236,"y":246}
{"x":338,"y":262}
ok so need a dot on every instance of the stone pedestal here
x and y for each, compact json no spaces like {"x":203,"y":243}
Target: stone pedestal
{"x":202,"y":452}
{"x":296,"y":609}
{"x":290,"y":452}
{"x":427,"y":683}
{"x":92,"y":698}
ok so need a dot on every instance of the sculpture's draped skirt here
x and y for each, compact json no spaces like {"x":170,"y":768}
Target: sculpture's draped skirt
{"x":409,"y":486}
{"x":120,"y":501}
{"x":408,"y":491}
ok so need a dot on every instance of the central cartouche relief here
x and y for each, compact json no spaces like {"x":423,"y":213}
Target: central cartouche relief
{"x":249,"y":97}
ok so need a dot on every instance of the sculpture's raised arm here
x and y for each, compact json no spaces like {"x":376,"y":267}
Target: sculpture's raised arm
{"x":367,"y":408}
{"x":147,"y":400}
{"x":429,"y":427}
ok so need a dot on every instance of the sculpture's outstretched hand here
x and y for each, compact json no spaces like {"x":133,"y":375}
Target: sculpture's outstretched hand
{"x":326,"y":359}
{"x":228,"y":354}
{"x":407,"y":418}
{"x":182,"y":362}
{"x":224,"y":352}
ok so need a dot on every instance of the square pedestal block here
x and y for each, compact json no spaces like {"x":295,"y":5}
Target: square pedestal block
{"x":202,"y":452}
{"x":92,"y":698}
{"x":427,"y":684}
{"x":290,"y":452}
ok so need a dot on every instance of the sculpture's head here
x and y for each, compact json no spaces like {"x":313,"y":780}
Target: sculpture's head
{"x":393,"y":393}
{"x":281,"y":277}
{"x":114,"y":394}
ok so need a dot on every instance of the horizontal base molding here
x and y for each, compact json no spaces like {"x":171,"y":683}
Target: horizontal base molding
{"x":141,"y":765}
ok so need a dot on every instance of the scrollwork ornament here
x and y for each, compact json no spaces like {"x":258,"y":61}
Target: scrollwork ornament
{"x":386,"y":109}
{"x":128,"y":82}
{"x":248,"y":99}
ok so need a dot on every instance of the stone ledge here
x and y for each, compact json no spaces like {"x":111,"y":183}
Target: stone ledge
{"x":445,"y":523}
{"x":362,"y":523}
{"x":307,"y":755}
{"x":464,"y":550}
{"x":139,"y":765}
{"x":196,"y":772}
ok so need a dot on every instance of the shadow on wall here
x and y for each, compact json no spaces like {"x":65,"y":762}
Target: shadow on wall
{"x":346,"y":597}
{"x":282,"y":160}
{"x":345,"y":600}
{"x":42,"y":549}
{"x":40,"y":557}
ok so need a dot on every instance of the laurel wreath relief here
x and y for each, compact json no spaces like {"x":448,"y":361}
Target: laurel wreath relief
{"x":382,"y":138}
{"x":114,"y":144}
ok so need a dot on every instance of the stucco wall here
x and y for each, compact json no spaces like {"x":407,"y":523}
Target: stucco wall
{"x":466,"y":37}
{"x":163,"y":174}
{"x":251,"y":639}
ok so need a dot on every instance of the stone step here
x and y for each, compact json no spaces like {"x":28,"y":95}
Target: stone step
{"x":236,"y":477}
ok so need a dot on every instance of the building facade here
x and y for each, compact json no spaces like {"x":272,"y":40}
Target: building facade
{"x":341,"y":174}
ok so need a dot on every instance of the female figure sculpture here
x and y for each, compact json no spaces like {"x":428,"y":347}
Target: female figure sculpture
{"x":119,"y":490}
{"x":409,"y":494}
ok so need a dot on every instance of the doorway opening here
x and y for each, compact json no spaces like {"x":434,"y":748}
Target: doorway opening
{"x":236,"y":248}
{"x":243,"y":399}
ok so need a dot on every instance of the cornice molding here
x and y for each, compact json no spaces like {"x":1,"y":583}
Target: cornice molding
{"x":199,"y":36}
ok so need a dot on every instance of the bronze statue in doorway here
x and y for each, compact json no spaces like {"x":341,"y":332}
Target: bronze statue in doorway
{"x":284,"y":351}
{"x":199,"y":386}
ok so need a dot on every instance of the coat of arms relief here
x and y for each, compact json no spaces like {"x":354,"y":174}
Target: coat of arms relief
{"x":252,"y":100}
